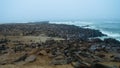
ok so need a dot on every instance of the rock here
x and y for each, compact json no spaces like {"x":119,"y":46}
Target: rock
{"x":30,"y":58}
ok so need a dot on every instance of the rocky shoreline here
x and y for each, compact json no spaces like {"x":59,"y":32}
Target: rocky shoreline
{"x":78,"y":48}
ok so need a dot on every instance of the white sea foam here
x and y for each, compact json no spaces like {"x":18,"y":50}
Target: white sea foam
{"x":77,"y":23}
{"x":111,"y":34}
{"x":108,"y":33}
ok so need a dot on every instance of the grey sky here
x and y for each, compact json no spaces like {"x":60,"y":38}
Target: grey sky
{"x":36,"y":10}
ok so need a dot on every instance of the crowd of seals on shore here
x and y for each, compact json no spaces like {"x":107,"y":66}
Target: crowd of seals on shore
{"x":52,"y":30}
{"x":76,"y":49}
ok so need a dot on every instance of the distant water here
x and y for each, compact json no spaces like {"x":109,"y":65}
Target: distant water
{"x":110,"y":28}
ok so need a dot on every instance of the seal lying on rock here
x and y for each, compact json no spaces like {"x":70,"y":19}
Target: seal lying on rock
{"x":30,"y":58}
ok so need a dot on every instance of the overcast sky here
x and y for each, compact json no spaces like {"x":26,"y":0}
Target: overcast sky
{"x":37,"y":10}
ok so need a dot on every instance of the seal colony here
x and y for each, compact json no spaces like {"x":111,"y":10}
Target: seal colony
{"x":45,"y":45}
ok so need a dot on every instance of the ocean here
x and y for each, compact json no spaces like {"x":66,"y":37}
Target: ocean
{"x":110,"y":28}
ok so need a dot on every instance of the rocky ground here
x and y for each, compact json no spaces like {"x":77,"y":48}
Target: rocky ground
{"x":47,"y":45}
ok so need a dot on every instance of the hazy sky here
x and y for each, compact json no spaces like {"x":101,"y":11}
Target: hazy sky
{"x":36,"y":10}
